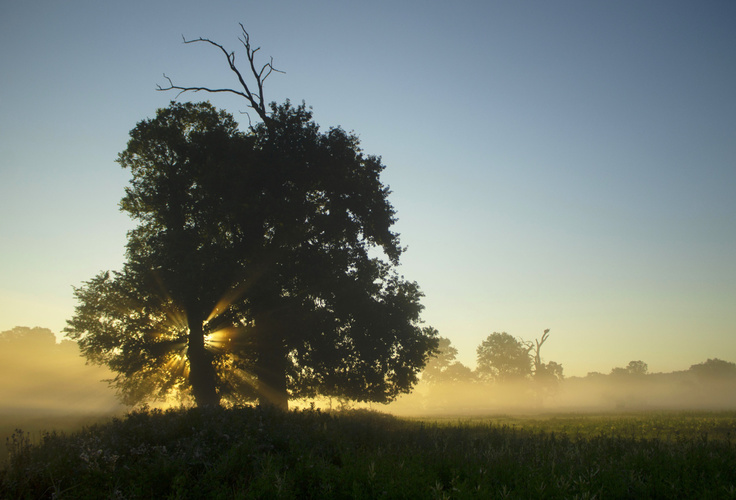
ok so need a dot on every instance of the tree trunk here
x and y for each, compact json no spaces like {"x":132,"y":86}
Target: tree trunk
{"x":271,"y":365}
{"x":202,"y":375}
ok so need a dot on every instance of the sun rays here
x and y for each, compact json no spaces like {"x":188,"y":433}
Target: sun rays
{"x":228,"y":299}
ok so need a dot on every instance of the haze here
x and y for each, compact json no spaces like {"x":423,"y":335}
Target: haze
{"x":40,"y":375}
{"x":594,"y":394}
{"x":567,"y":165}
{"x":43,"y":378}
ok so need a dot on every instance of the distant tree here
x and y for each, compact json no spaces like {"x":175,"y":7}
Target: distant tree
{"x":40,"y":373}
{"x":25,"y":337}
{"x":550,"y":371}
{"x":443,"y":367}
{"x":634,"y":368}
{"x":546,"y":376}
{"x":536,"y":347}
{"x":27,"y":346}
{"x":458,"y":372}
{"x":714,"y":369}
{"x":637,"y":368}
{"x":503,"y":358}
{"x":440,"y":360}
{"x":255,"y":269}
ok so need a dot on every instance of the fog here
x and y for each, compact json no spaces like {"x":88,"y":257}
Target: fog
{"x":40,"y":375}
{"x":594,"y":393}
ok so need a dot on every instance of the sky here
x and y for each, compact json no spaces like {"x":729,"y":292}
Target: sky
{"x":568,"y":165}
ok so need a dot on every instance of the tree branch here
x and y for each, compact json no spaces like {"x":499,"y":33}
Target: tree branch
{"x":195,"y":89}
{"x":255,"y":99}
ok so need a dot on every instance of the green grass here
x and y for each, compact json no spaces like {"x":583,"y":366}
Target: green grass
{"x":661,"y":425}
{"x":258,"y":453}
{"x":35,"y":423}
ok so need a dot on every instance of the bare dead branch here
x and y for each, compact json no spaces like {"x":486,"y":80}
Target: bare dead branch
{"x":538,"y":347}
{"x":195,"y":89}
{"x":255,"y":99}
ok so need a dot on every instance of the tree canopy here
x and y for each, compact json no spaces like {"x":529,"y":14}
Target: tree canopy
{"x":263,"y":266}
{"x":714,"y":369}
{"x":503,"y":358}
{"x":634,"y":368}
{"x":443,"y":365}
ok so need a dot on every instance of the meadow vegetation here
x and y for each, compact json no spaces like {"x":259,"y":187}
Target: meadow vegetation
{"x":252,"y":452}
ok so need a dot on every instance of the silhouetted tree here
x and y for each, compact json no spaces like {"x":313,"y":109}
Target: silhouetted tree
{"x":550,"y":370}
{"x":714,"y":369}
{"x":503,"y":358}
{"x":634,"y":368}
{"x":23,"y":337}
{"x":443,"y":367}
{"x":637,"y":368}
{"x":536,"y":347}
{"x":253,"y":92}
{"x":458,"y":372}
{"x":249,"y":273}
{"x":443,"y":357}
{"x":546,"y":376}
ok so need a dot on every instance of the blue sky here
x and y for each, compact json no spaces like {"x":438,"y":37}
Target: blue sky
{"x":567,"y":165}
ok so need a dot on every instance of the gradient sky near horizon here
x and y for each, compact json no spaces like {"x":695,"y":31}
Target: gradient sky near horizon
{"x":567,"y":165}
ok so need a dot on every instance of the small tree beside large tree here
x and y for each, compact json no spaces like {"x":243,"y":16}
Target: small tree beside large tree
{"x":263,"y":264}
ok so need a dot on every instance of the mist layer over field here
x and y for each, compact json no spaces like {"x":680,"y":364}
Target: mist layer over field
{"x":594,"y":393}
{"x":40,"y":375}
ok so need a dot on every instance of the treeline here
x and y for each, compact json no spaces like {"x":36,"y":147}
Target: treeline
{"x":500,"y":358}
{"x":511,"y":374}
{"x":38,"y":373}
{"x":707,"y":385}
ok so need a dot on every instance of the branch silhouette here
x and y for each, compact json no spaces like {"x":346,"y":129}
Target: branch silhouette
{"x":256,"y":100}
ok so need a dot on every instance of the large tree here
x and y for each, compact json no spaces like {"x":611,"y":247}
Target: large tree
{"x":262,"y":266}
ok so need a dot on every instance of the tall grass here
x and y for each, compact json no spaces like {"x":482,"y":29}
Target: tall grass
{"x":35,"y":423}
{"x":259,"y":453}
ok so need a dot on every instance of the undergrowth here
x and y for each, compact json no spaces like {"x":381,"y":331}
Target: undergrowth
{"x":262,"y":453}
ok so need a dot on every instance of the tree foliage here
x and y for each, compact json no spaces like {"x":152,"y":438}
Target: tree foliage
{"x":714,"y":369}
{"x":30,"y":338}
{"x":443,"y":367}
{"x":503,"y":358}
{"x":634,"y":368}
{"x":263,"y":265}
{"x":550,"y":371}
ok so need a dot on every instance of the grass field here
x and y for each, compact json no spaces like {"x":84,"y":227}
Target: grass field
{"x":259,"y":453}
{"x":36,"y":423}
